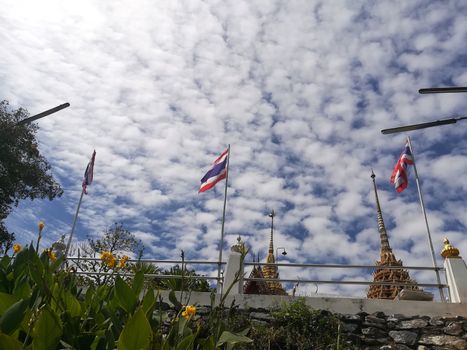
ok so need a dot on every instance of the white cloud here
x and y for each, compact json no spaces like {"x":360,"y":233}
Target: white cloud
{"x":299,"y":89}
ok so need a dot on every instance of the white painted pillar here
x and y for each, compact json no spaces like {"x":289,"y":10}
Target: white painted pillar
{"x":233,"y":267}
{"x":456,"y":276}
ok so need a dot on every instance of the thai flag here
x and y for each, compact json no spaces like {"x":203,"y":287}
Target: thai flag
{"x":400,"y":172}
{"x":89,"y":173}
{"x":217,"y":173}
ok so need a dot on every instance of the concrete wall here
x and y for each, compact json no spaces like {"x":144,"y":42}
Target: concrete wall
{"x":335,"y":305}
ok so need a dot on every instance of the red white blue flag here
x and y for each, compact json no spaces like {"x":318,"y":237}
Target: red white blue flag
{"x":399,"y":174}
{"x":217,"y":172}
{"x":89,"y":173}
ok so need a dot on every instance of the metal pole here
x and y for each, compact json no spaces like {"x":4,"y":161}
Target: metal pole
{"x":422,"y":204}
{"x":74,"y":224}
{"x":219,"y":284}
{"x":43,"y":114}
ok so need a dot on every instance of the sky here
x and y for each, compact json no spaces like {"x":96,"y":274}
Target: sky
{"x":299,"y":89}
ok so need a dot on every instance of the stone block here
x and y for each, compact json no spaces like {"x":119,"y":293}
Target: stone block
{"x":372,"y":321}
{"x":411,"y":324}
{"x":373,"y":332}
{"x":453,"y":328}
{"x":437,"y":321}
{"x":349,"y":327}
{"x":404,"y":337}
{"x":444,"y":340}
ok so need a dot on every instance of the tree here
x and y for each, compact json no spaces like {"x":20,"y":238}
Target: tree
{"x":189,"y":282}
{"x":117,"y":241}
{"x":6,"y":239}
{"x":24,"y":172}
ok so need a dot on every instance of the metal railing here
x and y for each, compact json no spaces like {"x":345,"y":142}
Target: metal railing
{"x":76,"y":260}
{"x":342,"y":266}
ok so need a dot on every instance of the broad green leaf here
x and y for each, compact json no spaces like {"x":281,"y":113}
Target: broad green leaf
{"x":126,"y":297}
{"x":244,"y":332}
{"x":186,"y":343}
{"x":231,"y":339}
{"x":12,"y":317}
{"x":138,"y":281}
{"x":22,"y":289}
{"x":10,"y":343}
{"x":208,"y":343}
{"x":6,"y":300}
{"x":174,"y":301}
{"x":47,"y":331}
{"x":148,"y":302}
{"x":20,"y":262}
{"x":72,"y":304}
{"x":136,"y":334}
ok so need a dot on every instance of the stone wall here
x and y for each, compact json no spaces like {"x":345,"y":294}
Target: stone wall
{"x":383,"y":332}
{"x":380,"y":331}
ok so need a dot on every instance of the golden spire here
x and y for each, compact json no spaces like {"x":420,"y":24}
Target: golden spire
{"x":271,"y":271}
{"x":449,"y":251}
{"x":387,"y":258}
{"x":270,"y":258}
{"x":385,"y":247}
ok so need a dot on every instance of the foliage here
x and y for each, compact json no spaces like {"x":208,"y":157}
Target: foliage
{"x":115,"y":243}
{"x":6,"y":239}
{"x":116,"y":239}
{"x":42,"y":307}
{"x":190,"y":284}
{"x":24,"y":172}
{"x":297,"y":326}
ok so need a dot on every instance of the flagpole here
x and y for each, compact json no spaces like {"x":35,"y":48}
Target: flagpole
{"x":426,"y":221}
{"x":219,"y":283}
{"x":74,"y":224}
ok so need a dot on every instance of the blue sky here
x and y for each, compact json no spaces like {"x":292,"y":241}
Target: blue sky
{"x":300,"y":89}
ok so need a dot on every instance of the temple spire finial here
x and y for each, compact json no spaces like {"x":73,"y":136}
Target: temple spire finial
{"x":381,"y":228}
{"x":387,"y":258}
{"x":271,"y":244}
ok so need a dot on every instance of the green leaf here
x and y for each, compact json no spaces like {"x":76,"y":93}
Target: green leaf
{"x":20,"y":262}
{"x":10,"y":343}
{"x":6,"y":300}
{"x":186,"y":343}
{"x":47,"y":331}
{"x":138,"y":281}
{"x":72,"y":304}
{"x":148,"y":302}
{"x":12,"y":317}
{"x":126,"y":297}
{"x":22,"y":288}
{"x":231,"y":339}
{"x":208,"y":343}
{"x":174,"y":301}
{"x":136,"y":334}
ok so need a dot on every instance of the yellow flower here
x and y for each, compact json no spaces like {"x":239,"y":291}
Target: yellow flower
{"x":16,"y":248}
{"x":51,"y":255}
{"x":41,"y":226}
{"x":190,"y":310}
{"x":108,"y":259}
{"x":122,"y":262}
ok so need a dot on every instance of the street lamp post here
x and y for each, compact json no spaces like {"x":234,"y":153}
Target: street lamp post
{"x":284,"y":252}
{"x":43,"y":114}
{"x":430,"y":124}
{"x":444,"y":90}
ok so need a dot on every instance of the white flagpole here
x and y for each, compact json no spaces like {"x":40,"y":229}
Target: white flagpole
{"x":221,"y":244}
{"x":426,"y":221}
{"x":74,"y":224}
